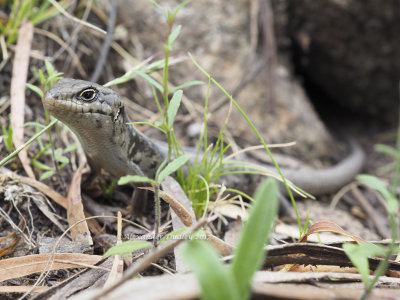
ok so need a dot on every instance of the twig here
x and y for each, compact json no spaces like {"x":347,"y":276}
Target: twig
{"x":69,"y":16}
{"x":106,"y":44}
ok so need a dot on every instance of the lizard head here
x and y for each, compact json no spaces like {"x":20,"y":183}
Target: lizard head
{"x":78,"y":97}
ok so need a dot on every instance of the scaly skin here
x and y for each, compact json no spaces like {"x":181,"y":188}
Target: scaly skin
{"x":97,"y":116}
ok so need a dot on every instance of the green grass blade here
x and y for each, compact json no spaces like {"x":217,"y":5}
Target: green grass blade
{"x":8,"y":157}
{"x":250,"y":252}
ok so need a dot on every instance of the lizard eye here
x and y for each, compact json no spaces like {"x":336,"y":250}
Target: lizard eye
{"x":88,"y":94}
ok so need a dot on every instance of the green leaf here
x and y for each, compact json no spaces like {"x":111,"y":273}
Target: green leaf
{"x":36,"y":89}
{"x":46,"y":175}
{"x":173,"y":235}
{"x":358,"y":254}
{"x":135,"y":178}
{"x":42,"y":78}
{"x":41,"y":166}
{"x":185,"y":85}
{"x":388,"y":150}
{"x":49,"y":68}
{"x":62,"y":159}
{"x":375,"y":183}
{"x":215,"y":279}
{"x":127,"y":247}
{"x":157,"y":6}
{"x":180,"y":6}
{"x":70,"y":147}
{"x":180,"y":234}
{"x":173,"y":107}
{"x":174,"y":34}
{"x":250,"y":251}
{"x":172,"y":167}
{"x":150,"y":80}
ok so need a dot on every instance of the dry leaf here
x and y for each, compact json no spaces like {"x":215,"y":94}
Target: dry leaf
{"x":118,"y":262}
{"x":182,"y":215}
{"x":25,"y":265}
{"x":327,"y":226}
{"x":22,"y":289}
{"x":80,"y":232}
{"x":230,"y":210}
{"x":18,"y":81}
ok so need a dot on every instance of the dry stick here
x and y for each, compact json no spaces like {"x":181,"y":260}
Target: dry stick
{"x":75,"y":59}
{"x":267,"y":20}
{"x":73,"y":38}
{"x":146,"y":261}
{"x":107,"y":42}
{"x":379,"y":225}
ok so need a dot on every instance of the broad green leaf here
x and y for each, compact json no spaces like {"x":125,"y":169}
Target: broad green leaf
{"x":36,"y":89}
{"x":214,"y":277}
{"x":173,"y":107}
{"x":358,"y":254}
{"x":134,"y":178}
{"x":127,"y":247}
{"x":172,"y":167}
{"x":250,"y":251}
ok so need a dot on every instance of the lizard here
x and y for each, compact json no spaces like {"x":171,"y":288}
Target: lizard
{"x":97,"y":116}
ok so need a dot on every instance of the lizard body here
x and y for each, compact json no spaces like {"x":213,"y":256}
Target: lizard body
{"x":97,"y":116}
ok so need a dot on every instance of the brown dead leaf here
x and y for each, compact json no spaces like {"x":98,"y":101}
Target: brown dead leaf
{"x":327,"y":226}
{"x":22,"y":289}
{"x":25,"y":265}
{"x":118,"y":263}
{"x":19,"y":76}
{"x":179,"y":219}
{"x":80,"y":232}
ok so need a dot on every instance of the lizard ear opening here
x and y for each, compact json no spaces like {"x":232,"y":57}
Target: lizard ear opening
{"x":119,"y":113}
{"x":89,"y":94}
